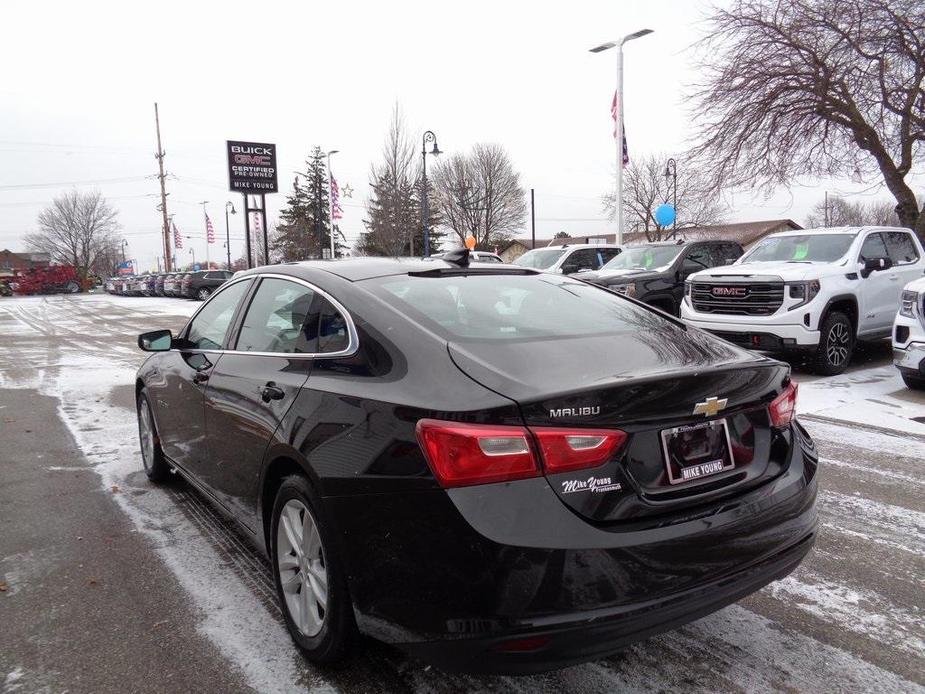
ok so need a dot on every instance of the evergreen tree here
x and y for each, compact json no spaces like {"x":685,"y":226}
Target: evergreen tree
{"x":304,"y":227}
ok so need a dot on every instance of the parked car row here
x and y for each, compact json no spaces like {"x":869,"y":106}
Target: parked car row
{"x":188,"y":285}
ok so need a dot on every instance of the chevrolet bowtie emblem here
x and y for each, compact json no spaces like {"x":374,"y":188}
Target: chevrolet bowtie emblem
{"x":710,"y":406}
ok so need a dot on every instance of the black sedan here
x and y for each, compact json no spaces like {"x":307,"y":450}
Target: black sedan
{"x":497,"y":470}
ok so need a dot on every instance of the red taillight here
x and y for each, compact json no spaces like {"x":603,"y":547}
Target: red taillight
{"x":783,"y":407}
{"x":572,"y":449}
{"x":467,"y":454}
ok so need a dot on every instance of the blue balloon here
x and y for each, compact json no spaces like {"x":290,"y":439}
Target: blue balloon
{"x":664,"y":215}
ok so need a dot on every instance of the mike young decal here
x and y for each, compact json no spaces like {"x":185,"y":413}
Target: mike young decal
{"x":595,"y":485}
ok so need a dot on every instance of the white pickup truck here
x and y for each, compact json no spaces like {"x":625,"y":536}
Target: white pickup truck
{"x":814,"y":290}
{"x":909,"y":335}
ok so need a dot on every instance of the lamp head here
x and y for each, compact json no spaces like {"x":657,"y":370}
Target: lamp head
{"x":436,"y":150}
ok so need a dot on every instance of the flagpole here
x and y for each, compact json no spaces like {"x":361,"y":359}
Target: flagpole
{"x":331,"y":200}
{"x":619,"y":140}
{"x":205,"y":218}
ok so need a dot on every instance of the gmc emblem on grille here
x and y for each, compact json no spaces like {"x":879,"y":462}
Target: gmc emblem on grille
{"x":730,"y":291}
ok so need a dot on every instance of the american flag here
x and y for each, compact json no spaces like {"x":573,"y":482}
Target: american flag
{"x":336,"y":211}
{"x":210,"y":230}
{"x":177,"y":239}
{"x":613,"y":114}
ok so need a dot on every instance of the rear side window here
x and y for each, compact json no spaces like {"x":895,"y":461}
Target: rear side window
{"x":900,"y":246}
{"x":584,"y":259}
{"x":507,"y":307}
{"x":281,"y":318}
{"x":333,"y":335}
{"x":700,"y":256}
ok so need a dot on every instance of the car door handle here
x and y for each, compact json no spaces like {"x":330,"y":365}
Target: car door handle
{"x":894,"y":277}
{"x":200,"y":377}
{"x":272,"y":392}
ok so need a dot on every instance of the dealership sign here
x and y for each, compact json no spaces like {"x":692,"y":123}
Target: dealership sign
{"x":252,"y":167}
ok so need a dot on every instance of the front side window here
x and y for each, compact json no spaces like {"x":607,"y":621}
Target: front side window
{"x":584,"y":259}
{"x":873,"y":247}
{"x":900,"y":246}
{"x":700,"y":257}
{"x":207,"y":330}
{"x":282,"y":318}
{"x":608,"y":254}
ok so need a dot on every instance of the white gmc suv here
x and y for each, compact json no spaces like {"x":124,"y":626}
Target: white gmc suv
{"x":909,"y":335}
{"x":814,"y":290}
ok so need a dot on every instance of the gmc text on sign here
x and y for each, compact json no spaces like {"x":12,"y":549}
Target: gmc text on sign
{"x":252,"y":167}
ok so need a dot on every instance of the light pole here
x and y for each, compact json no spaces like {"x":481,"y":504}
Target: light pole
{"x":124,"y":244}
{"x":229,"y":207}
{"x":619,"y":118}
{"x":671,"y":178}
{"x":331,"y":199}
{"x":193,"y":253}
{"x":428,"y":137}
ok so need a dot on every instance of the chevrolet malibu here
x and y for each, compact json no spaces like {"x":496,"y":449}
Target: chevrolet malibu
{"x":495,"y":469}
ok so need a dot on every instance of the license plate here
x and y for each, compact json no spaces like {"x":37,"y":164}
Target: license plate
{"x":696,"y":451}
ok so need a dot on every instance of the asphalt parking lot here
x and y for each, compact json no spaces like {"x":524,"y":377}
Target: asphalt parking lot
{"x":110,"y":584}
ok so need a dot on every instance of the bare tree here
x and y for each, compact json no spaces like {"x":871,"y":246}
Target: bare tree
{"x":480,"y":194}
{"x":394,"y":220}
{"x":645,"y":187}
{"x":838,"y":211}
{"x":816,"y":88}
{"x":77,"y":229}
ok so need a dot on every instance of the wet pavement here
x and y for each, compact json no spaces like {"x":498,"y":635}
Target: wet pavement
{"x":111,"y":584}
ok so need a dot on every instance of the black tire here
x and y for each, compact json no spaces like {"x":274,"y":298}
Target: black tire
{"x":914,"y":382}
{"x":72,"y":287}
{"x":152,"y":457}
{"x":338,"y":631}
{"x":836,"y":345}
{"x":203,"y":293}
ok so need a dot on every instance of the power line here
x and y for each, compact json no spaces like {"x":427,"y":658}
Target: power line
{"x":27,"y":186}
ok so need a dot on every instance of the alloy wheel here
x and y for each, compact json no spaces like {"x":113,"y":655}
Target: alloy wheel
{"x":147,"y":434}
{"x":302,"y":572}
{"x":837,"y":344}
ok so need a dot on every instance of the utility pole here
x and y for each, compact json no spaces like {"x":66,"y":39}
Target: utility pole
{"x":162,"y":177}
{"x":532,"y":221}
{"x":826,"y":208}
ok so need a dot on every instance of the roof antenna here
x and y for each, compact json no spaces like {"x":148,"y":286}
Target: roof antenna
{"x":458,"y":257}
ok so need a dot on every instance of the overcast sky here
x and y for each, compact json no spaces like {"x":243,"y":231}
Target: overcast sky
{"x":80,"y":80}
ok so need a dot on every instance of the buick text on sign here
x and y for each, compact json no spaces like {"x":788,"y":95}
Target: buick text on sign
{"x":252,"y":167}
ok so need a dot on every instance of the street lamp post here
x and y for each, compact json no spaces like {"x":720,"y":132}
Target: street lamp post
{"x":193,"y":253}
{"x":671,"y":178}
{"x":124,"y":244}
{"x":331,"y":199}
{"x":619,"y":118}
{"x":229,"y":207}
{"x":428,"y":137}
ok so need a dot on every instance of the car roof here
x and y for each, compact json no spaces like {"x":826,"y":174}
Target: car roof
{"x":563,"y":246}
{"x":356,"y":269}
{"x":831,"y":230}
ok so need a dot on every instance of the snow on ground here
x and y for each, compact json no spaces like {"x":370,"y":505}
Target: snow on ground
{"x":873,"y":396}
{"x":79,"y":350}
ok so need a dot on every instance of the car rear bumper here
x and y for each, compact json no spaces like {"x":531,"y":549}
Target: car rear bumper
{"x":456,"y":577}
{"x":587,"y":637}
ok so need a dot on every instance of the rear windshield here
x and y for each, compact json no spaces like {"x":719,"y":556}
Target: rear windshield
{"x":807,"y":248}
{"x":540,"y":260}
{"x":507,"y":307}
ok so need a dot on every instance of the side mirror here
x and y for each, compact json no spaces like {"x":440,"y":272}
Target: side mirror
{"x":155,"y":341}
{"x":876,"y":264}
